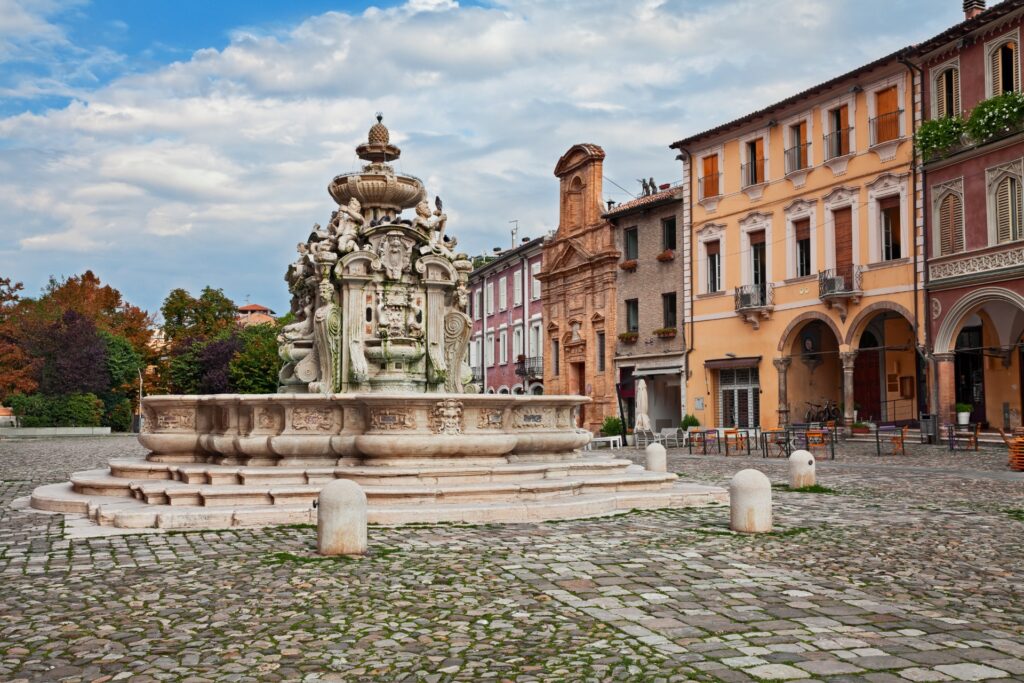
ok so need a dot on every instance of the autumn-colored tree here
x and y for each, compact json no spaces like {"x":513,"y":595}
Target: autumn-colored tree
{"x":105,"y":306}
{"x":17,"y":369}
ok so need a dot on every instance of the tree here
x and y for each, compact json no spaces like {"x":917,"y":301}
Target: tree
{"x":74,"y":357}
{"x":255,"y":367}
{"x":105,"y":306}
{"x":17,"y":369}
{"x":205,"y":317}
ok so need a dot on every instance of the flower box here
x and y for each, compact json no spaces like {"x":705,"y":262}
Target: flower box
{"x":628,"y":265}
{"x":629,"y":337}
{"x":666,"y":255}
{"x":665,"y":332}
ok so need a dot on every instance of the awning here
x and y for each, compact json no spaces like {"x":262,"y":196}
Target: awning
{"x":732,"y":363}
{"x":647,"y":372}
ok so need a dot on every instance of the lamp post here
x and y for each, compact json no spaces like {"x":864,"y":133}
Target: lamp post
{"x":139,"y":427}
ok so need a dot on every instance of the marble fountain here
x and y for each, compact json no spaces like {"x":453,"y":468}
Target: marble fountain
{"x":375,"y":388}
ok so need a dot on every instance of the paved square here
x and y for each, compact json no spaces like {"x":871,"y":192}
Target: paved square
{"x":911,"y":571}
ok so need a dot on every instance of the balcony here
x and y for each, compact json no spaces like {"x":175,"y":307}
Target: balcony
{"x":531,"y":368}
{"x":709,"y":190}
{"x":885,"y":134}
{"x":478,"y":375}
{"x":798,"y":161}
{"x":752,"y":177}
{"x":837,"y":143}
{"x":840,"y":288}
{"x":755,"y":303}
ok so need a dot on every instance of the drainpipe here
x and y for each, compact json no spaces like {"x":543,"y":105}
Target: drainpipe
{"x":917,"y":73}
{"x":483,"y":340}
{"x":688,"y":344}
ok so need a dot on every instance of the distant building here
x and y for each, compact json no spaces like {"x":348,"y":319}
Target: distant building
{"x":254,"y":314}
{"x":649,"y":298}
{"x":506,"y":350}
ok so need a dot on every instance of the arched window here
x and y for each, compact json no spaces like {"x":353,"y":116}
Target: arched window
{"x":1003,"y":68}
{"x":1008,"y":210}
{"x":951,"y":221}
{"x":947,"y":93}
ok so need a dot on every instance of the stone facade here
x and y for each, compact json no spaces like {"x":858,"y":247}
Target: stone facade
{"x":506,"y":351}
{"x":578,"y":276}
{"x":649,"y":297}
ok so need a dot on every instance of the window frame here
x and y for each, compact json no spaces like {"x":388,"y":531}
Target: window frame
{"x":503,"y":293}
{"x":600,"y":350}
{"x":990,"y":47}
{"x":664,"y":233}
{"x":632,"y":311}
{"x":710,"y":233}
{"x":630,"y":254}
{"x":937,"y":74}
{"x":666,"y":310}
{"x":940,"y":193}
{"x":886,"y":186}
{"x":535,"y":284}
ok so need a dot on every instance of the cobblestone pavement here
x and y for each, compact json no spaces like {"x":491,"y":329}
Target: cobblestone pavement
{"x":910,"y":571}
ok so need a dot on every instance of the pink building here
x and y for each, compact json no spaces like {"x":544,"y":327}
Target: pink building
{"x":506,"y":352}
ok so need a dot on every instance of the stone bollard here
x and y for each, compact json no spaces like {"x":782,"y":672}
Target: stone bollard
{"x":656,"y":461}
{"x":341,"y":519}
{"x":750,"y":502}
{"x":801,"y":470}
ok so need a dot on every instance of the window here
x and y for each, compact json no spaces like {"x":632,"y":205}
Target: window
{"x":489,"y":299}
{"x":632,"y":315}
{"x":534,"y":349}
{"x":891,"y":234}
{"x":503,"y":347}
{"x":668,"y":310}
{"x":517,"y":343}
{"x":802,"y":230}
{"x":668,"y":233}
{"x":631,"y":243}
{"x":474,"y":353}
{"x":502,"y":293}
{"x":600,"y":351}
{"x":739,"y":395}
{"x":753,"y":170}
{"x":517,"y":288}
{"x":477,"y":293}
{"x":534,"y":282}
{"x":837,"y":142}
{"x":758,"y":261}
{"x":489,"y":350}
{"x":796,"y":155}
{"x":951,"y":219}
{"x":714,"y":282}
{"x":555,"y":359}
{"x":947,"y":94}
{"x":886,"y":124}
{"x":1008,"y":210}
{"x":1003,"y":68}
{"x":709,"y":179}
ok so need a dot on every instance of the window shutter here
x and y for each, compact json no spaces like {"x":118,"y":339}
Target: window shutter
{"x":803,"y":229}
{"x":940,"y":96}
{"x":757,"y":237}
{"x":996,"y":67}
{"x":1003,"y":199}
{"x":712,"y":248}
{"x":951,"y":235}
{"x":844,"y":124}
{"x":955,"y":105}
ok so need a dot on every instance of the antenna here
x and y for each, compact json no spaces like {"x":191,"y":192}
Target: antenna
{"x":515,"y":231}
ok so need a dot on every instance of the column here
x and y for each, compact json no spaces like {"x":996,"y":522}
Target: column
{"x":849,"y":358}
{"x":782,"y":365}
{"x":945,"y":380}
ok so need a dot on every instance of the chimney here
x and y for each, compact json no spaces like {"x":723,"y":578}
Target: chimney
{"x":973,"y":8}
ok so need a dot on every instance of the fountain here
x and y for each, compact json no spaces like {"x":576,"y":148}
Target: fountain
{"x":374,"y":388}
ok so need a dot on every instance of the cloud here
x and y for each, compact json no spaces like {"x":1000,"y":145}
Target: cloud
{"x":225,"y":155}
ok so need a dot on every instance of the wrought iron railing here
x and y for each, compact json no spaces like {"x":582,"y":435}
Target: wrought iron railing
{"x":837,"y":143}
{"x":839,"y":281}
{"x":754,"y":296}
{"x":752,"y":172}
{"x":709,"y":186}
{"x":886,"y":127}
{"x":798,"y":157}
{"x":531,"y":367}
{"x":478,"y":375}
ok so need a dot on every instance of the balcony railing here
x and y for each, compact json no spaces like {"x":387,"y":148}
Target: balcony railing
{"x":798,"y":157}
{"x":478,"y":375}
{"x":886,"y":127}
{"x":837,"y":143}
{"x":531,"y":368}
{"x":709,"y":186}
{"x":752,"y":172}
{"x":839,"y":282}
{"x":754,"y":296}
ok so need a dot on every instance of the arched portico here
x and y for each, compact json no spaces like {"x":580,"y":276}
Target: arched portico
{"x":809,"y":367}
{"x":883,"y":347}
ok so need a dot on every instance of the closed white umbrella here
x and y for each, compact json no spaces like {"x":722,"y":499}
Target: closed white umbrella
{"x":642,"y":420}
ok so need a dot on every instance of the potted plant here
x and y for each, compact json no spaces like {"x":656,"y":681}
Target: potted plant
{"x":666,"y":255}
{"x":611,"y":426}
{"x":963,"y":413}
{"x":629,"y":264}
{"x":689,"y":421}
{"x":630,"y":439}
{"x":629,"y":337}
{"x":665,"y":332}
{"x":860,"y":428}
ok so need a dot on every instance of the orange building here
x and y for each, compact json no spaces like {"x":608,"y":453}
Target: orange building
{"x":578,"y":276}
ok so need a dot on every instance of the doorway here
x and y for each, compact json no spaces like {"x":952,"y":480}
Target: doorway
{"x":579,"y":380}
{"x":866,"y":383}
{"x":970,"y":371}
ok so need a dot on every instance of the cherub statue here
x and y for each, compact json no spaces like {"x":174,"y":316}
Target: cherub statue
{"x":422,"y":220}
{"x":349,"y":221}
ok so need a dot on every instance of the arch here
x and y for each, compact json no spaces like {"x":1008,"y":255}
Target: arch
{"x":951,"y":324}
{"x":864,"y":317}
{"x":802,"y":320}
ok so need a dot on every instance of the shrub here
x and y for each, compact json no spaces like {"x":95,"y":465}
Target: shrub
{"x":73,"y":410}
{"x":689,"y":420}
{"x":938,"y":136}
{"x":964,"y":408}
{"x":996,"y":116}
{"x":612,"y":426}
{"x":119,"y":417}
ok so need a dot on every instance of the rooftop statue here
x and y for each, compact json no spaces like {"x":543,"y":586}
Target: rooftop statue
{"x":380,"y":300}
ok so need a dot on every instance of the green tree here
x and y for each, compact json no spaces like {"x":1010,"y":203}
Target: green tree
{"x":123,"y":362}
{"x":254,"y":368}
{"x":210,"y":314}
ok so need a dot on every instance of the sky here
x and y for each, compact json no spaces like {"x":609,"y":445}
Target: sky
{"x":179,"y":143}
